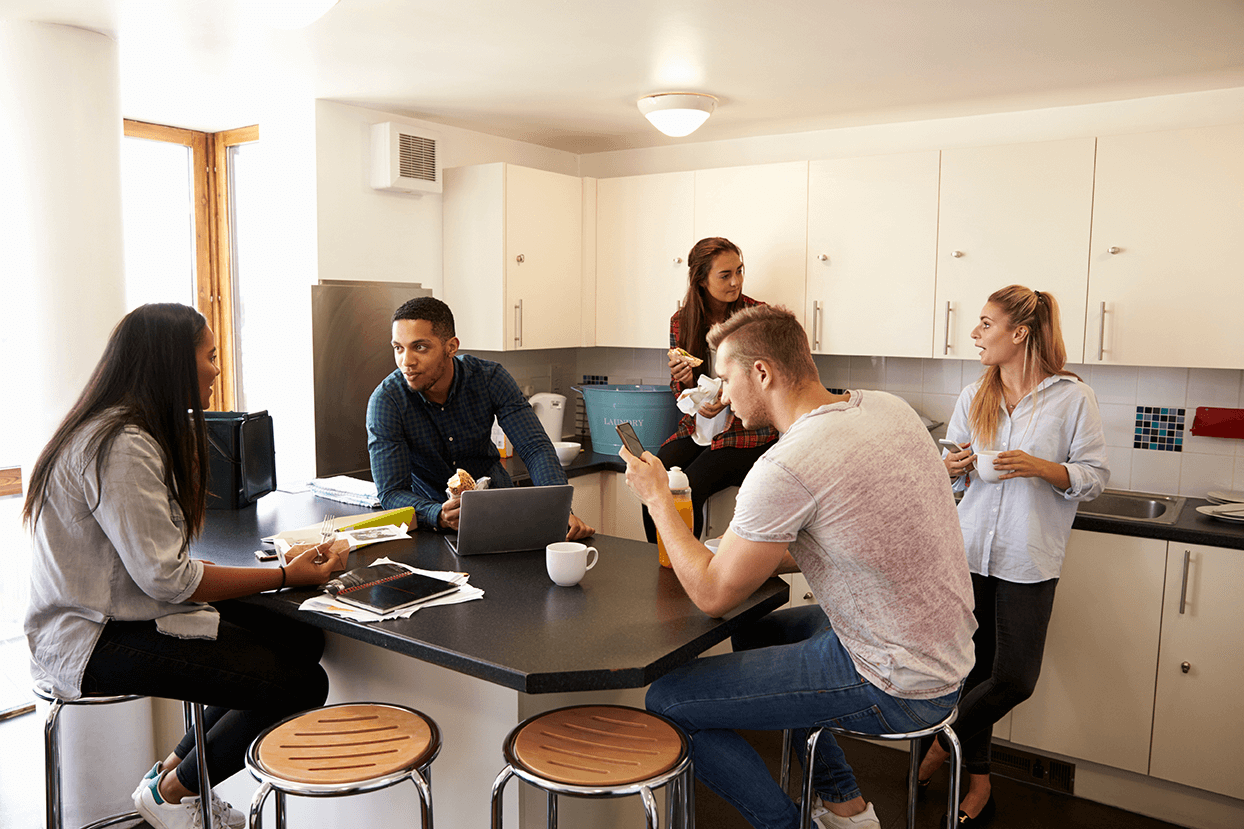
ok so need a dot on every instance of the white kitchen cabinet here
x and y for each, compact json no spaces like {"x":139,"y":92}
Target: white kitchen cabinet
{"x":645,"y":227}
{"x":513,"y":257}
{"x":1198,"y":738}
{"x":1012,"y":214}
{"x":764,"y":210}
{"x":587,"y":499}
{"x":872,"y":254}
{"x":1168,"y":240}
{"x":1094,"y":699}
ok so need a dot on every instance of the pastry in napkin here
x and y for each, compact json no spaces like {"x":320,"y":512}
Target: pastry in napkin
{"x":690,"y":400}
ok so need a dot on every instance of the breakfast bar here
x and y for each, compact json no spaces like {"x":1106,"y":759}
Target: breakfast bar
{"x":480,"y":667}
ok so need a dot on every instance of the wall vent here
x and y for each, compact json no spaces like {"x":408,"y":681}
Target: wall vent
{"x":1027,"y":767}
{"x":402,"y":160}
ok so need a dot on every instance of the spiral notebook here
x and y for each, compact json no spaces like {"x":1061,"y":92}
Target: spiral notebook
{"x":387,"y":587}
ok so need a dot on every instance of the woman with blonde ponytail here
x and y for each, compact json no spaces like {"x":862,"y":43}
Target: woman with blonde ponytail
{"x":1044,"y":424}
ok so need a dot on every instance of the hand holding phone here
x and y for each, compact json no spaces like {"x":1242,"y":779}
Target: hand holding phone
{"x":951,"y":445}
{"x":630,"y":440}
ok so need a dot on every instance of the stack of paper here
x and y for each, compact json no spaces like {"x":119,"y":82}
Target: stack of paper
{"x":327,"y":604}
{"x":346,"y":490}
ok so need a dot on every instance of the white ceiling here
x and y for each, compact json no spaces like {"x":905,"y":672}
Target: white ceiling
{"x":567,"y":74}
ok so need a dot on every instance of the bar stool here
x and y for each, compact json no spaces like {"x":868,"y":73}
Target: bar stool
{"x":601,"y":751}
{"x":943,"y":727}
{"x":344,"y":749}
{"x":193,"y":714}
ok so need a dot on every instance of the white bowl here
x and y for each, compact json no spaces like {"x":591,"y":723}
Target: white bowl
{"x":567,"y":451}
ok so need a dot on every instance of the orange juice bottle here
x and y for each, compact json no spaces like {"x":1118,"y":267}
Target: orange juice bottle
{"x":680,"y":487}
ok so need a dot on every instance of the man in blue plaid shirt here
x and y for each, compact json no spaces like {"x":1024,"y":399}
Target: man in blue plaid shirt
{"x":433,"y":416}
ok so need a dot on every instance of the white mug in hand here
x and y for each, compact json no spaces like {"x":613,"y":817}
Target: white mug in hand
{"x":985,"y":467}
{"x":567,"y":561}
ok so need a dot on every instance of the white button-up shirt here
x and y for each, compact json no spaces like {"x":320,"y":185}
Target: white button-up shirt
{"x":1017,"y":530}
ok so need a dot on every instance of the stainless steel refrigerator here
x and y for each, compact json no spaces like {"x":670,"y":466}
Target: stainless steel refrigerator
{"x":350,"y":329}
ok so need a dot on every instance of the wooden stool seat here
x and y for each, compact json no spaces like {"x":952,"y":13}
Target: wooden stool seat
{"x":598,"y":746}
{"x":346,"y":744}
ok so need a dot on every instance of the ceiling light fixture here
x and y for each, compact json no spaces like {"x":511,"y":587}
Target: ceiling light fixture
{"x":677,"y":113}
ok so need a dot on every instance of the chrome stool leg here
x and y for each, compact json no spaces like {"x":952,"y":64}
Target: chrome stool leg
{"x":192,"y":714}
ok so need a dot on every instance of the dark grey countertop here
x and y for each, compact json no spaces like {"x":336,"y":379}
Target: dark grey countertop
{"x":626,"y":624}
{"x":1190,"y":528}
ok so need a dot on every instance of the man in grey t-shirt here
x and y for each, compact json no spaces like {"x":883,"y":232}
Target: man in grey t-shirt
{"x":854,"y":494}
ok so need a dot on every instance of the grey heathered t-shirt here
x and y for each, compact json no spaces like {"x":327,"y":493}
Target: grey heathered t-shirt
{"x":859,"y":492}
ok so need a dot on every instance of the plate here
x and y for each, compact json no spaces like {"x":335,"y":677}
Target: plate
{"x":1236,"y":518}
{"x":1222,"y":496}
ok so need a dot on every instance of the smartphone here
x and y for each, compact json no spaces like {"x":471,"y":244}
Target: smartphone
{"x":630,"y":440}
{"x":951,"y":445}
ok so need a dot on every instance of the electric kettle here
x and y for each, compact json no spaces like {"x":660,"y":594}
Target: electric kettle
{"x":551,"y":410}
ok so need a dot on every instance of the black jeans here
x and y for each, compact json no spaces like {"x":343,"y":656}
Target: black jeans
{"x":260,"y":668}
{"x":709,"y":471}
{"x":1012,"y":621}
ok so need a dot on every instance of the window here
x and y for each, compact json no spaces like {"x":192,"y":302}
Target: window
{"x":178,"y":207}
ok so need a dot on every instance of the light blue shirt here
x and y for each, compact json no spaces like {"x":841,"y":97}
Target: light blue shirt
{"x":1017,"y":529}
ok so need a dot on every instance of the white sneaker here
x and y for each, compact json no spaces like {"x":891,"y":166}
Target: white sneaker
{"x":146,"y":781}
{"x":224,"y":816}
{"x":825,"y":819}
{"x":184,"y":815}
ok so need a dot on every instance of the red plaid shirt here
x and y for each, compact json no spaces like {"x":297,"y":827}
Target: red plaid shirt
{"x":735,"y":436}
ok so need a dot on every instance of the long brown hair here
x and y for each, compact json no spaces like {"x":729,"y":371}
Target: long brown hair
{"x":693,"y":324}
{"x":147,"y":377}
{"x":1044,"y":352}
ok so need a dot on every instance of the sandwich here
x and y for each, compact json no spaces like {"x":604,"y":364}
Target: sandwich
{"x":684,"y":356}
{"x":460,"y":483}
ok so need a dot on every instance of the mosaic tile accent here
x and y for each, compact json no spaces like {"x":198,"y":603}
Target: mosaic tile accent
{"x":580,"y":410}
{"x":595,"y":380}
{"x":835,"y":391}
{"x":1159,"y":428}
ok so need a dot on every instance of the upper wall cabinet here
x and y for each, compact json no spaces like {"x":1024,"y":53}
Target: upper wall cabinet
{"x":763,"y":210}
{"x":513,"y":253}
{"x":1013,"y":214}
{"x":1168,"y":243}
{"x":871,"y":254}
{"x":645,"y":227}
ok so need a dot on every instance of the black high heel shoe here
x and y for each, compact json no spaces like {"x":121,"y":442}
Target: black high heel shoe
{"x":983,"y":819}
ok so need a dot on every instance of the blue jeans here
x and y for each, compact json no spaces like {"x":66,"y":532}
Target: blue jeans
{"x":788,"y":671}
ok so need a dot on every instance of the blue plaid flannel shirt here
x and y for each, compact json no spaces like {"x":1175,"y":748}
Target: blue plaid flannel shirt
{"x":416,"y":445}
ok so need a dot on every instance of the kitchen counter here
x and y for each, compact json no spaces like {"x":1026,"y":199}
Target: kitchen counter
{"x":626,"y":624}
{"x":1191,"y":528}
{"x":585,"y":463}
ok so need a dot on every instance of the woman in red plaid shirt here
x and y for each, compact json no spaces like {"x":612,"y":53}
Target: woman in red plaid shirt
{"x":715,"y":292}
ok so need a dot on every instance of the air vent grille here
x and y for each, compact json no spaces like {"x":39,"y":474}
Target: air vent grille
{"x":1033,"y":768}
{"x":417,"y":157}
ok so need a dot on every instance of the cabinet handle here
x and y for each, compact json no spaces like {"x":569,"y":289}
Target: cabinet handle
{"x":807,"y":597}
{"x":816,"y":324}
{"x":677,"y":260}
{"x":1101,"y":335}
{"x":946,"y":344}
{"x":958,"y":254}
{"x":518,"y":324}
{"x":1183,"y":590}
{"x":1112,"y":250}
{"x":1185,"y":666}
{"x":822,"y":257}
{"x":520,"y":259}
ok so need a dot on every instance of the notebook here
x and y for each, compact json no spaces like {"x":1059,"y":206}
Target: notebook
{"x":511,"y":520}
{"x":394,"y":592}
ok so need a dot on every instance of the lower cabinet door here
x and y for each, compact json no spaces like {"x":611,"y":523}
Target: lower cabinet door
{"x":1198,"y":733}
{"x":1094,"y":699}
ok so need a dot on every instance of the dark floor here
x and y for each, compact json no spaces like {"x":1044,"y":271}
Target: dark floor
{"x":882,"y":776}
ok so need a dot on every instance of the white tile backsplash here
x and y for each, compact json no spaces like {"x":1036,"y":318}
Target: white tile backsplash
{"x":1162,"y":386}
{"x":932,"y":386}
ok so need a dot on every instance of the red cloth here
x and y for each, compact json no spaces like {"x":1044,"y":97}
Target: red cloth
{"x":735,"y":436}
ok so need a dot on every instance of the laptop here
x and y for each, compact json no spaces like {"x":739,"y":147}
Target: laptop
{"x":511,"y":519}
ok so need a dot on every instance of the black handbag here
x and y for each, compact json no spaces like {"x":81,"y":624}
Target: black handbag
{"x":242,"y":460}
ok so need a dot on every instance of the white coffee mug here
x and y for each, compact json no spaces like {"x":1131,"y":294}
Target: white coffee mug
{"x":567,"y":561}
{"x":984,"y":467}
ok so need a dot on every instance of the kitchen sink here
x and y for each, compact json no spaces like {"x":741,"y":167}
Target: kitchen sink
{"x":1134,"y":506}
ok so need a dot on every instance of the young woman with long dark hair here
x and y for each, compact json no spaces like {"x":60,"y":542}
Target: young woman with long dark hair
{"x":1044,"y":423}
{"x":714,"y":294}
{"x":117,"y":605}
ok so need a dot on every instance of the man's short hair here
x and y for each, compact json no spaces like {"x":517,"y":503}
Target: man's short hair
{"x":430,"y":309}
{"x":770,"y":333}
